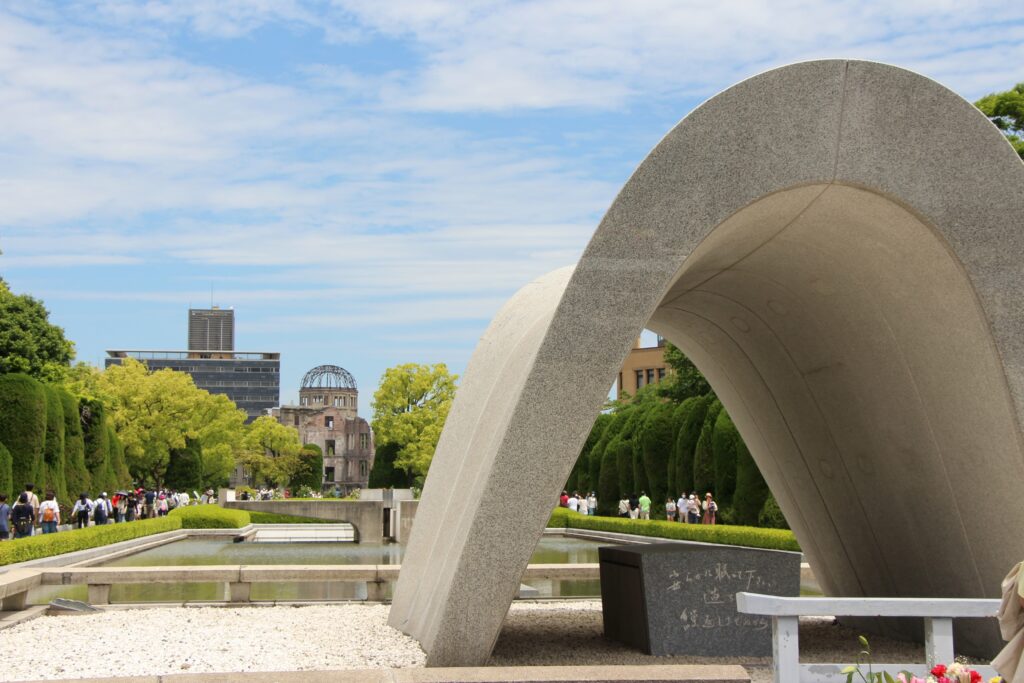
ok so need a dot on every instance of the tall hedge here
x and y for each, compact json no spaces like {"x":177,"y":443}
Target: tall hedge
{"x":623,"y":451}
{"x":724,"y":441}
{"x":53,"y":478}
{"x":311,"y":470}
{"x":703,"y":457}
{"x":608,"y":484}
{"x":23,"y":427}
{"x":185,"y":467}
{"x":6,"y":484}
{"x":384,"y":474}
{"x":694,"y":410}
{"x":76,"y":474}
{"x":656,"y":444}
{"x":751,"y":489}
{"x":122,"y":478}
{"x":97,"y":447}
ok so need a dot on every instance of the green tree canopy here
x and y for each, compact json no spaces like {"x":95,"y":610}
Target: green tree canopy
{"x":1006,"y":110}
{"x":154,"y":413}
{"x":685,"y":380}
{"x":410,"y":408}
{"x":271,"y":451}
{"x":29,"y":343}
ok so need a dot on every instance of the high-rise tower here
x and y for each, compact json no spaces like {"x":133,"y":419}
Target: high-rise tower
{"x":211,"y":329}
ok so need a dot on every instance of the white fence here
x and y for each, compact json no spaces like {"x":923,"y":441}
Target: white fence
{"x":938,"y":614}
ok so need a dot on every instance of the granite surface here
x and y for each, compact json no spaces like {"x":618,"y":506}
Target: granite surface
{"x":680,"y":598}
{"x":839,"y":247}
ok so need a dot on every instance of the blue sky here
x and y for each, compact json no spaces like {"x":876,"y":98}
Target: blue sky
{"x":366,"y":182}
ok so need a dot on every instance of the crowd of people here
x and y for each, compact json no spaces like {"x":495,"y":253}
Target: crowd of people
{"x":691,"y":509}
{"x":585,"y":504}
{"x":29,"y":513}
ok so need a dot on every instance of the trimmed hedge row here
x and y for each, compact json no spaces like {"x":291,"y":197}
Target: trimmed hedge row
{"x":751,"y":537}
{"x":210,"y":517}
{"x":278,"y":518}
{"x":47,"y":545}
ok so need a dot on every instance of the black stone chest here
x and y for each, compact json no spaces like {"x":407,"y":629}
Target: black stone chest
{"x":680,"y":598}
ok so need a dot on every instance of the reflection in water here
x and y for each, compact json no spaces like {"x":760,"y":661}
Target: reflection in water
{"x":199,"y":551}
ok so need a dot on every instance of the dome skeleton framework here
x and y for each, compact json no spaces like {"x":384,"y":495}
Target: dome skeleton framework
{"x":328,"y":377}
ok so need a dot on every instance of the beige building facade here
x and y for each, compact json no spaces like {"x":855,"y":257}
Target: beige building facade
{"x":644,"y":365}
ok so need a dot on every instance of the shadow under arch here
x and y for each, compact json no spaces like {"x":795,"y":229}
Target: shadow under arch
{"x":856,"y":300}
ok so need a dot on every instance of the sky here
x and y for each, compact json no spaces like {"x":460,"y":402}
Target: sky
{"x":367,"y":182}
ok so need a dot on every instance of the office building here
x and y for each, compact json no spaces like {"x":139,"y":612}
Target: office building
{"x":211,"y":329}
{"x":644,"y":365}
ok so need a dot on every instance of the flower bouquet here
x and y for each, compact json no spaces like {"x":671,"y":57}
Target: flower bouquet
{"x":940,"y":673}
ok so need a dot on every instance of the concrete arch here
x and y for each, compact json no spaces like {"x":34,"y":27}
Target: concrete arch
{"x":839,"y":246}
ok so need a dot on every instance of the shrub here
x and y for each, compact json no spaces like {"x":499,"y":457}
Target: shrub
{"x":185,"y":466}
{"x":23,"y":427}
{"x":703,"y":457}
{"x":384,"y":474}
{"x":210,"y":517}
{"x":693,"y":412}
{"x":47,"y":545}
{"x":724,"y":440}
{"x":53,"y":447}
{"x":771,"y":515}
{"x":76,"y":474}
{"x":751,"y":489}
{"x":623,"y":451}
{"x":656,"y":443}
{"x":608,"y":483}
{"x":6,"y":485}
{"x":751,"y":537}
{"x":277,"y":518}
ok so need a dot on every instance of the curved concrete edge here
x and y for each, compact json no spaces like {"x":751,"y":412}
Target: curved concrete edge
{"x":850,"y":143}
{"x":677,"y":673}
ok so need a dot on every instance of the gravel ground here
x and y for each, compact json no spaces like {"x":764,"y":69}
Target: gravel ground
{"x":170,"y":640}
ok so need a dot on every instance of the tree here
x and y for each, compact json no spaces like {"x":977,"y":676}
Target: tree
{"x":751,"y":489}
{"x":6,"y":484}
{"x":686,"y":441}
{"x":410,"y":408}
{"x":23,"y":426}
{"x":271,"y":451}
{"x":384,"y":474}
{"x":656,"y":444}
{"x":29,"y":343}
{"x":703,"y":455}
{"x":310,"y":472}
{"x":724,"y":446}
{"x":185,"y":467}
{"x":155,"y":412}
{"x":76,"y":474}
{"x":54,"y":447}
{"x":1006,"y":110}
{"x":685,"y":380}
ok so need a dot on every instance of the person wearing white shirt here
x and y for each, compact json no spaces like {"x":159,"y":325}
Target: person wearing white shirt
{"x":49,"y":514}
{"x":574,"y":502}
{"x":592,"y":504}
{"x":82,"y":510}
{"x":681,"y":509}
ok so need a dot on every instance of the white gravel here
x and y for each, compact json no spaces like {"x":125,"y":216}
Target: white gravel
{"x":156,"y":641}
{"x":169,"y":640}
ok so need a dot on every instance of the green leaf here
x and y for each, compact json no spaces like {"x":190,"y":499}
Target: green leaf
{"x":864,"y":643}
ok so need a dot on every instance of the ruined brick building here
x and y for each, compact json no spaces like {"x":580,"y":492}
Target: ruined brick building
{"x":328,"y":416}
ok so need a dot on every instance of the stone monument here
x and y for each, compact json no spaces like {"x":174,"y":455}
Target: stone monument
{"x":839,"y":247}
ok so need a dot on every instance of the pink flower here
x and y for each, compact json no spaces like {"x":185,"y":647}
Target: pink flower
{"x":939,"y":670}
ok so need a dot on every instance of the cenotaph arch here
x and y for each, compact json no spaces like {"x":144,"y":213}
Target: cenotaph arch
{"x":839,"y":247}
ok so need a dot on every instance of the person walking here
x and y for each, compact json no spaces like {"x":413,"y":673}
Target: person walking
{"x":624,"y":507}
{"x":670,"y":509}
{"x":710,"y":508}
{"x":5,"y":518}
{"x":592,"y":504}
{"x":49,"y":514}
{"x":574,"y":502}
{"x":149,"y":512}
{"x":634,"y":507}
{"x":693,"y":508}
{"x":22,"y":517}
{"x":682,"y":508}
{"x":161,"y":505}
{"x":33,"y":500}
{"x":121,"y":509}
{"x":82,"y":510}
{"x":101,"y":510}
